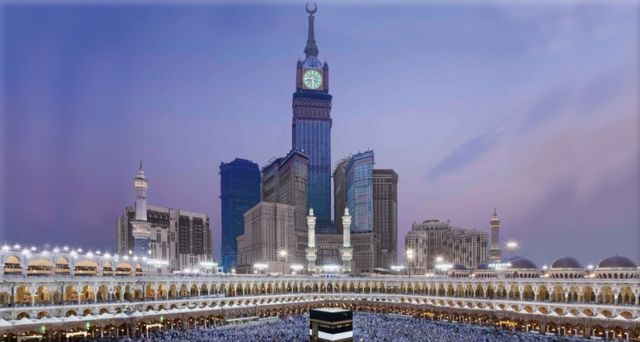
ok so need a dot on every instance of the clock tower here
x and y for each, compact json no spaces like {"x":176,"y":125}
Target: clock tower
{"x":311,"y":125}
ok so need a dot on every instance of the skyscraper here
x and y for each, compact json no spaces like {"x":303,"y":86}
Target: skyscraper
{"x":359,"y":185}
{"x":239,"y":192}
{"x":339,"y":193}
{"x":285,"y":180}
{"x":385,"y":216}
{"x":311,"y":124}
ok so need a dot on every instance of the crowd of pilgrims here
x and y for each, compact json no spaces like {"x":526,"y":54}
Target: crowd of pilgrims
{"x":396,"y":328}
{"x":366,"y":327}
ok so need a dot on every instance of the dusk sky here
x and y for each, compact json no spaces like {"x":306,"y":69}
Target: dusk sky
{"x":531,"y":109}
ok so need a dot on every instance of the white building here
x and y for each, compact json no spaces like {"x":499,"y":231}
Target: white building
{"x":431,"y":240}
{"x":269,"y":239}
{"x":182,"y":238}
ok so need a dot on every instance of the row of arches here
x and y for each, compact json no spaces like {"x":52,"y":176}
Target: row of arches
{"x":13,"y":265}
{"x":80,"y":293}
{"x":256,"y":301}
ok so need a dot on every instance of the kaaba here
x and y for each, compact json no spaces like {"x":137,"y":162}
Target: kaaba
{"x":331,"y":324}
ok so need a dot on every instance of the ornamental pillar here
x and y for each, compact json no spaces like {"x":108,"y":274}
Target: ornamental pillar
{"x":311,"y":242}
{"x":346,"y":250}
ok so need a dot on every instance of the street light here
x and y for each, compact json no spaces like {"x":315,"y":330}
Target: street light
{"x":439,"y":261}
{"x":410,"y":256}
{"x":283,"y":256}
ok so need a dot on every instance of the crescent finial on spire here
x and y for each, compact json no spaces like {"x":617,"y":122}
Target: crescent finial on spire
{"x":310,"y":10}
{"x":311,"y":50}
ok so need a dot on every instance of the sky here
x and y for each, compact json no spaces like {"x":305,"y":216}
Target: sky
{"x":528,"y":108}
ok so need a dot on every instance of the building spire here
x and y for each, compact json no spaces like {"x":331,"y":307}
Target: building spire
{"x":311,"y":50}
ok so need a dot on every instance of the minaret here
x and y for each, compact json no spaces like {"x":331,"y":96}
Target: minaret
{"x":346,"y":250}
{"x":311,"y":242}
{"x":141,"y":231}
{"x":494,"y":250}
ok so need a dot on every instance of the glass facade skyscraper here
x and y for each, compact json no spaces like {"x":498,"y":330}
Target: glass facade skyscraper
{"x":239,"y":192}
{"x":314,"y":137}
{"x":359,"y":185}
{"x":311,"y":126}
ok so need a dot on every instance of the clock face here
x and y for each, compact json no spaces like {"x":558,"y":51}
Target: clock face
{"x":312,"y":79}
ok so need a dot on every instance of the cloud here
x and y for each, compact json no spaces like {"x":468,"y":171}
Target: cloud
{"x":463,"y":155}
{"x":567,"y":158}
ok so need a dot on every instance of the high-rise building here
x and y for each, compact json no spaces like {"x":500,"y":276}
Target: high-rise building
{"x":269,"y":238}
{"x":372,"y":198}
{"x":433,"y":239}
{"x":385,"y":216}
{"x":239,"y":192}
{"x":285,"y":180}
{"x":182,"y":238}
{"x":359,"y":185}
{"x":339,"y":193}
{"x":495,"y":254}
{"x":311,"y":124}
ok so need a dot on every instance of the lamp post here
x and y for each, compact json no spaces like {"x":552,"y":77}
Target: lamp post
{"x":283,"y":255}
{"x":410,"y":256}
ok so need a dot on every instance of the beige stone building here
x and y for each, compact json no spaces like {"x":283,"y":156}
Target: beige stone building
{"x":269,"y":239}
{"x":431,"y":239}
{"x":285,"y":180}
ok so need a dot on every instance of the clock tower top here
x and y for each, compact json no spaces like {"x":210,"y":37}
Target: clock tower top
{"x":312,"y":75}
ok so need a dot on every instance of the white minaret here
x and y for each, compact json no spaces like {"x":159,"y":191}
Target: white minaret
{"x":311,"y":242}
{"x":346,"y":251}
{"x":141,"y":231}
{"x":141,"y":185}
{"x":494,"y":250}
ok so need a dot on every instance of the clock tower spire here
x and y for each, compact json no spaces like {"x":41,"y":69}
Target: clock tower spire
{"x":311,"y":50}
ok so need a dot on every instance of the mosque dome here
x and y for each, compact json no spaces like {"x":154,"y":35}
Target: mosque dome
{"x":616,"y":261}
{"x":522,"y":263}
{"x":566,"y":262}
